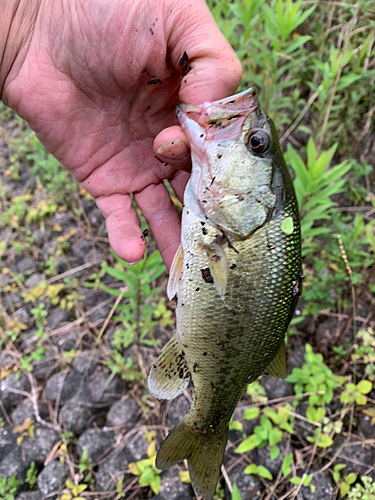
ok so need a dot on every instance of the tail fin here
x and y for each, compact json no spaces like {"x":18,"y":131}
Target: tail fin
{"x":203,"y":451}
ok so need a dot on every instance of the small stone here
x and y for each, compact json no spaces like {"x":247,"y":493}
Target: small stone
{"x":123,"y":412}
{"x":34,"y":279}
{"x":365,"y":427}
{"x":26,"y":410}
{"x":261,"y":456}
{"x":7,"y":358}
{"x":12,"y":301}
{"x":26,"y":264}
{"x":111,"y":471}
{"x":96,"y":217}
{"x":94,"y":254}
{"x":52,"y":478}
{"x":38,"y":447}
{"x":29,"y":495}
{"x":17,"y":382}
{"x":323,"y":488}
{"x":57,"y":317}
{"x":358,"y":457}
{"x":81,"y":248}
{"x":7,"y":440}
{"x":105,"y":390}
{"x":98,"y":443}
{"x":12,"y":464}
{"x":64,"y":388}
{"x":136,"y":447}
{"x":171,"y":487}
{"x":276,"y":388}
{"x":177,"y":410}
{"x":74,"y":416}
{"x":39,"y":237}
{"x":249,"y":485}
{"x":85,"y":363}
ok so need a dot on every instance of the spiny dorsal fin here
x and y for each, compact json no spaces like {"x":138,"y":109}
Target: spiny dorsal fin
{"x":169,"y":376}
{"x":218,"y":267}
{"x":175,"y":274}
{"x":277,"y":367}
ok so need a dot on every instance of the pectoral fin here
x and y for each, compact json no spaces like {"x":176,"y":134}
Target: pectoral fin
{"x":277,"y":367}
{"x":175,"y":274}
{"x":218,"y":267}
{"x":169,"y":376}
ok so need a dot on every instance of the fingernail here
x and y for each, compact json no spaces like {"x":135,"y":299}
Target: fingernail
{"x":174,"y":150}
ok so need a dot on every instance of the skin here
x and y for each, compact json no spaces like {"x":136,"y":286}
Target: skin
{"x":99,"y":81}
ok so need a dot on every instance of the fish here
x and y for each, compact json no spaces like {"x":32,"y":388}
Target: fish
{"x":237,"y":277}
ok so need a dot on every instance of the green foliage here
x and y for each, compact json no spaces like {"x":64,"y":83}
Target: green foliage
{"x":31,"y":475}
{"x":148,"y":474}
{"x":259,"y":470}
{"x":236,"y":495}
{"x":8,"y":488}
{"x":364,"y":352}
{"x":344,"y":482}
{"x":364,"y":490}
{"x":85,"y":468}
{"x":144,"y":308}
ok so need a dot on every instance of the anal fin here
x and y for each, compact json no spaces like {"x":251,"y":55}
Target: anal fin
{"x":169,"y":376}
{"x":277,"y":367}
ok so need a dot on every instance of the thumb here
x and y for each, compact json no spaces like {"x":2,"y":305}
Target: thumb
{"x":197,"y":45}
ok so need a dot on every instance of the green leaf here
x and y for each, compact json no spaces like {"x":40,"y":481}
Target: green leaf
{"x":344,"y":489}
{"x":324,"y":441}
{"x":259,"y":470}
{"x":248,"y":444}
{"x":364,"y":386}
{"x":287,"y":464}
{"x":351,"y":478}
{"x":251,"y":413}
{"x":236,"y":495}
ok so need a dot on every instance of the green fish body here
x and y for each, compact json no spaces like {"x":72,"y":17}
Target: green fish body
{"x":237,"y":277}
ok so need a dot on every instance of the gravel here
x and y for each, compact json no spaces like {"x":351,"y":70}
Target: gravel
{"x":52,"y":478}
{"x":10,"y":388}
{"x":97,"y":442}
{"x":124,"y":412}
{"x":323,"y":488}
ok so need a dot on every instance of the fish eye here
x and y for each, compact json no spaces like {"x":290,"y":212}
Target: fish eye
{"x":258,"y":141}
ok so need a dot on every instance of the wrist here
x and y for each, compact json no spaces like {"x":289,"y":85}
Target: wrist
{"x":18,"y":21}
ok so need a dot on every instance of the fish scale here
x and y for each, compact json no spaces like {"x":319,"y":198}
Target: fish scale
{"x":237,"y":277}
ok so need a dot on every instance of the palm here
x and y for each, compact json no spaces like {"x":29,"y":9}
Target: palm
{"x":97,"y":90}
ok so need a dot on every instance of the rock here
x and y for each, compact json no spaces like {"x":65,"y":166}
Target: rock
{"x":39,"y":237}
{"x":94,"y":254}
{"x":7,"y":358}
{"x":12,"y":301}
{"x":250,"y":486}
{"x":12,"y":464}
{"x":57,"y":317}
{"x":65,"y":387}
{"x":43,"y":369}
{"x":136,"y":447}
{"x":105,"y":392}
{"x":111,"y":471}
{"x":261,"y":456}
{"x":365,"y":427}
{"x":34,"y":280}
{"x":276,"y":387}
{"x":74,"y":416}
{"x":177,"y":410}
{"x":26,"y":264}
{"x":81,"y":248}
{"x":37,"y":448}
{"x":95,"y":217}
{"x":98,"y":443}
{"x":171,"y":487}
{"x":15,"y":381}
{"x":26,"y":410}
{"x":323,"y":488}
{"x":7,"y":440}
{"x":29,"y":495}
{"x":52,"y":478}
{"x":358,"y":457}
{"x":85,"y":363}
{"x":67,"y":341}
{"x":64,"y":219}
{"x":123,"y":412}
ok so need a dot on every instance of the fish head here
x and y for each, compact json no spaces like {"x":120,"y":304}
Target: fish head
{"x":233,"y":146}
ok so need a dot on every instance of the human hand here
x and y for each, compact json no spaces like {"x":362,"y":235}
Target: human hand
{"x":99,"y":80}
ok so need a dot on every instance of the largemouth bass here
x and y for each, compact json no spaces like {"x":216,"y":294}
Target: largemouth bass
{"x":237,"y":277}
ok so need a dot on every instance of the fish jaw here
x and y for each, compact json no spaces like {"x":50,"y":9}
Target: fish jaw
{"x":231,"y":185}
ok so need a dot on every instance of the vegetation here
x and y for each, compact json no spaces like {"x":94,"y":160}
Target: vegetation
{"x":314,"y":62}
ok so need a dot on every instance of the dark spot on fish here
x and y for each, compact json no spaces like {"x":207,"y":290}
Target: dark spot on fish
{"x":181,"y":373}
{"x":213,"y":387}
{"x":183,"y":62}
{"x":202,"y":222}
{"x":206,"y":275}
{"x":204,"y":231}
{"x":232,"y":266}
{"x":215,"y":258}
{"x":197,"y":289}
{"x":187,"y":265}
{"x":145,"y":233}
{"x":195,"y":367}
{"x":162,"y":365}
{"x":154,"y":81}
{"x":297,"y":285}
{"x":204,"y":354}
{"x":240,"y":197}
{"x":219,"y":156}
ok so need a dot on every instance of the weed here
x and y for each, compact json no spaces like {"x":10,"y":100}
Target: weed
{"x":73,"y":491}
{"x":363,"y":491}
{"x":148,"y":474}
{"x":31,"y":475}
{"x":8,"y":487}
